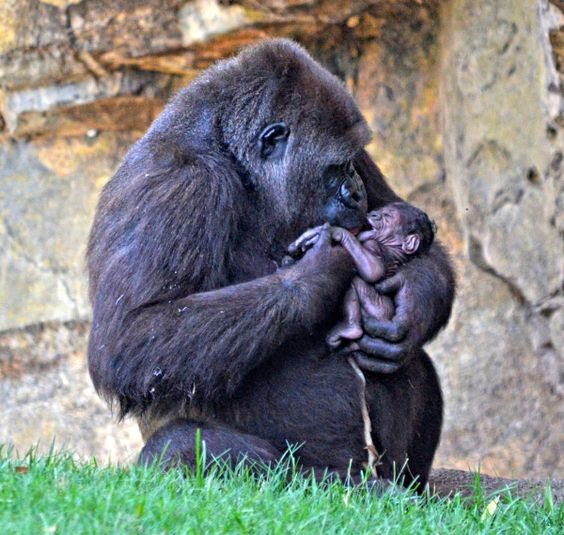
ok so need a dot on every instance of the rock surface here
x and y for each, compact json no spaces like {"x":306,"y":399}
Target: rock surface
{"x":50,"y":399}
{"x":465,"y":102}
{"x":446,"y":483}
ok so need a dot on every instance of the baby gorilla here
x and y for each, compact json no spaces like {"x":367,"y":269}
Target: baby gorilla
{"x":399,"y":231}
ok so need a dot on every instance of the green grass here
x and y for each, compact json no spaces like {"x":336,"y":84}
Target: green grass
{"x":56,"y":494}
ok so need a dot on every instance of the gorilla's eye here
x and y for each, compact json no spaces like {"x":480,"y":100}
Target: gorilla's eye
{"x":273,"y":140}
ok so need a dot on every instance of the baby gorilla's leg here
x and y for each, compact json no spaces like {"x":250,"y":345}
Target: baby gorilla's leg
{"x":374,"y":305}
{"x":350,"y":328}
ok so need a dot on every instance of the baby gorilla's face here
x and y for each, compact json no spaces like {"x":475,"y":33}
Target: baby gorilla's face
{"x":390,"y":224}
{"x":386,"y":222}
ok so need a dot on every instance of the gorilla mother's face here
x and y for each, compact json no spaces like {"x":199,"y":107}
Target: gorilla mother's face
{"x":295,"y":130}
{"x":315,"y":173}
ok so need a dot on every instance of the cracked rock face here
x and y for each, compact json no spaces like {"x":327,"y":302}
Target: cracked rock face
{"x":465,"y":104}
{"x":502,"y":112}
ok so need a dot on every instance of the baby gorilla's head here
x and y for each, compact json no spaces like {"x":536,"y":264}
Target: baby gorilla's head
{"x":400,"y":224}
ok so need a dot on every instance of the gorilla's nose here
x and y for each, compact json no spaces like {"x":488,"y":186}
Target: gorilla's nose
{"x":351,"y":192}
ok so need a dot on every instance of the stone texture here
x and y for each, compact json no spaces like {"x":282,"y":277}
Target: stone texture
{"x":49,"y":399}
{"x":48,"y":192}
{"x":465,"y":102}
{"x":502,"y":355}
{"x":445,"y":483}
{"x":504,"y":167}
{"x":500,"y":402}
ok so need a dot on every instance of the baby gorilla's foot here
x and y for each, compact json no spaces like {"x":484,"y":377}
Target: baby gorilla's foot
{"x":346,"y":331}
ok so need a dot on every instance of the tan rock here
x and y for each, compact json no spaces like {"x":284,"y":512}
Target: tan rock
{"x":61,"y":4}
{"x":45,"y":215}
{"x":49,"y":399}
{"x":397,"y":89}
{"x":498,"y":160}
{"x":8,"y":25}
{"x":202,"y":19}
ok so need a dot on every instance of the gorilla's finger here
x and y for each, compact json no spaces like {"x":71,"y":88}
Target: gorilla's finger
{"x":311,"y":241}
{"x":323,"y":237}
{"x":287,"y":261}
{"x":293,"y":248}
{"x":303,"y":240}
{"x":377,"y":366}
{"x":297,"y":245}
{"x":390,"y":285}
{"x":380,"y":348}
{"x":393,"y":331}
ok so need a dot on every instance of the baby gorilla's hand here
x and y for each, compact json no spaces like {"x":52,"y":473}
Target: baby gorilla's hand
{"x":305,"y":241}
{"x":340,"y":235}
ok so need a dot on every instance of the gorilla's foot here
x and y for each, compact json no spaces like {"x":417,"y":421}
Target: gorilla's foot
{"x":343,"y":331}
{"x":176,"y":444}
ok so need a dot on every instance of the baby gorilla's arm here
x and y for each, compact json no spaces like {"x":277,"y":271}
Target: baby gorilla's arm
{"x":370,"y":267}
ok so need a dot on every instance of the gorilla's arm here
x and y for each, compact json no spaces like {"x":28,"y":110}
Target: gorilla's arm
{"x":167,"y":326}
{"x":217,"y":337}
{"x":424,"y":292}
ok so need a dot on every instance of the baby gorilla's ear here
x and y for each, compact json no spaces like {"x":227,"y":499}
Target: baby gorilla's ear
{"x":411,"y":243}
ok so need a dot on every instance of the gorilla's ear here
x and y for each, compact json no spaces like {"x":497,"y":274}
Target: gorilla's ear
{"x":411,"y":243}
{"x":273,"y":140}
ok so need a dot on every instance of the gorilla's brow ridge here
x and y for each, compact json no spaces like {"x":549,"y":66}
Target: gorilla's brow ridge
{"x":359,"y":133}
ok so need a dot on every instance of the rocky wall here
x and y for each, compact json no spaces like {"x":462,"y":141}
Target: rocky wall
{"x":465,"y":101}
{"x":501,"y":107}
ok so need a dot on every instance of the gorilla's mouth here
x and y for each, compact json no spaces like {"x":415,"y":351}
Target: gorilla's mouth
{"x":375,"y":224}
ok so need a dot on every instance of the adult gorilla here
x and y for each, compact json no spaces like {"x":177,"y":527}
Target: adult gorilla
{"x":196,"y":325}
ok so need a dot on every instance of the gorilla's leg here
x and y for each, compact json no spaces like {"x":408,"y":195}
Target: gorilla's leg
{"x":427,"y":428}
{"x":406,"y":413}
{"x":175,"y":444}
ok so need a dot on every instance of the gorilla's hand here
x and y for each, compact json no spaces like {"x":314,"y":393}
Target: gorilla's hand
{"x":423,"y":291}
{"x":310,"y":237}
{"x":321,"y":252}
{"x":316,"y":242}
{"x":305,"y":241}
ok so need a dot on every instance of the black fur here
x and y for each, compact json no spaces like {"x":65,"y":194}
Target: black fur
{"x":193,"y":319}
